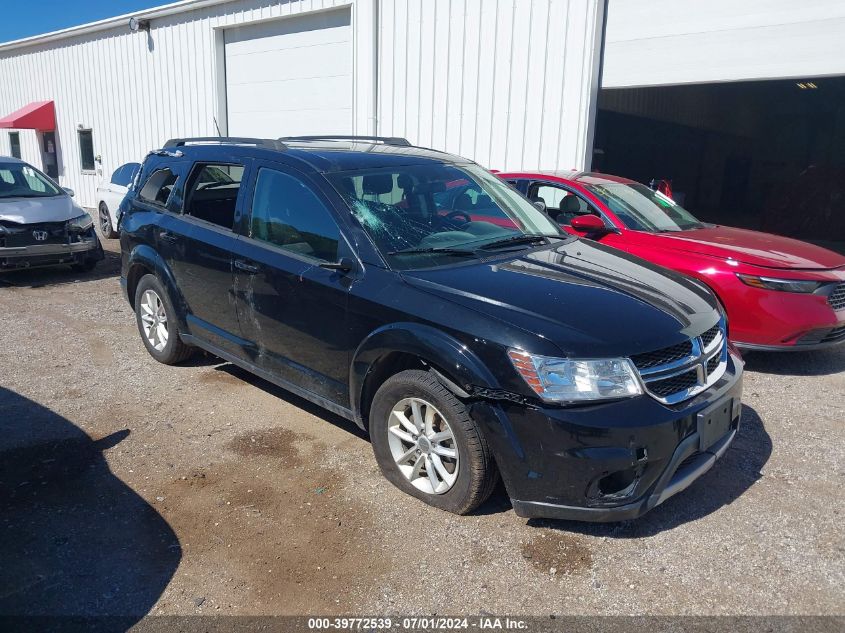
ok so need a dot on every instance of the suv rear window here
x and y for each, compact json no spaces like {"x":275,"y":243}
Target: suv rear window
{"x":214,"y":193}
{"x":158,"y":187}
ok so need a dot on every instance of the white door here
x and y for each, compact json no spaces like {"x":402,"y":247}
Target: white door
{"x":290,"y":76}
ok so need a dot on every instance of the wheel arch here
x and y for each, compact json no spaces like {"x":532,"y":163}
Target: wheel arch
{"x":400,"y":346}
{"x":143,"y":260}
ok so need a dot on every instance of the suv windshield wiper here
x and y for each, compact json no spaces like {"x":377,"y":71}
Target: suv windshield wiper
{"x":433,"y":249}
{"x":525,"y":238}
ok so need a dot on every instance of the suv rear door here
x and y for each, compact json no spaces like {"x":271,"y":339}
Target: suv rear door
{"x":292,"y":311}
{"x":195,"y":239}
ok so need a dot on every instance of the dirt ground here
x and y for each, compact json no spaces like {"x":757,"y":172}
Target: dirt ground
{"x":129,"y":487}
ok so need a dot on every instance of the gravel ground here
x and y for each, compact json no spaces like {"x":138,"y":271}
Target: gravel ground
{"x":129,"y":487}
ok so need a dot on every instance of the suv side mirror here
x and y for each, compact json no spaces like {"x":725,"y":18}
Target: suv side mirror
{"x":69,"y":191}
{"x":589,"y":223}
{"x":345,"y":265}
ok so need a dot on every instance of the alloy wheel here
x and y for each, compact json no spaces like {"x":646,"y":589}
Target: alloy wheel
{"x":154,"y":320}
{"x":423,"y":446}
{"x":105,"y":221}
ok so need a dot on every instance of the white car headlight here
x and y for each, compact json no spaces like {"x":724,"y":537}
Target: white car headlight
{"x":80,"y":223}
{"x":577,"y":380}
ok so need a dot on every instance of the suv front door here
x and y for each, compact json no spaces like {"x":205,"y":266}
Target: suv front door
{"x":292,"y":311}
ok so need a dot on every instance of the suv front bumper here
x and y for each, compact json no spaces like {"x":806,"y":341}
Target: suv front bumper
{"x":557,"y":462}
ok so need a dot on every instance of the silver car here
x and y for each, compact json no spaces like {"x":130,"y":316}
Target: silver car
{"x":40,"y":225}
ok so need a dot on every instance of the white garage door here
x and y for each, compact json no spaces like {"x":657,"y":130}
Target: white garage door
{"x":290,"y":76}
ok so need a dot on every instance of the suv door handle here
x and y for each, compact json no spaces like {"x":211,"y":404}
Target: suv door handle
{"x":247,"y":268}
{"x":168,"y":236}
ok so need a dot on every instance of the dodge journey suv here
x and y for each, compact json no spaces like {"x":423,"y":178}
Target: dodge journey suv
{"x":595,"y":384}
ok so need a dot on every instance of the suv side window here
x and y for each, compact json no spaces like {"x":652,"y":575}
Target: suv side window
{"x":213,"y":193}
{"x":287,"y":213}
{"x":158,"y":187}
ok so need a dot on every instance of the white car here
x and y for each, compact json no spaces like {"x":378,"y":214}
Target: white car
{"x":111,"y":195}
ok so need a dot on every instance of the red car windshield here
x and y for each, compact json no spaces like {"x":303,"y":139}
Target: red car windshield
{"x":642,"y":209}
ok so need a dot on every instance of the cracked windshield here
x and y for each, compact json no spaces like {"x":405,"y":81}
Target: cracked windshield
{"x":422,"y":216}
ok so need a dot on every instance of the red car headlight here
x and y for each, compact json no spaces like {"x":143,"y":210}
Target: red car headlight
{"x":783,"y":285}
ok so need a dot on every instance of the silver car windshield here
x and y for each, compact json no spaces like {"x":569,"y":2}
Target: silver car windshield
{"x":19,"y":180}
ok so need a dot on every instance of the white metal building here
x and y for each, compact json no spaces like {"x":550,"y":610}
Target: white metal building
{"x":509,"y":83}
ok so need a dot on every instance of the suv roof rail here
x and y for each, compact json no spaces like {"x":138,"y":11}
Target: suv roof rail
{"x":387,"y":140}
{"x":269,"y":143}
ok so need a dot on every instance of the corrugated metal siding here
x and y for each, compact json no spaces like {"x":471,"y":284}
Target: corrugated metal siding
{"x":510,"y":84}
{"x":667,"y":42}
{"x":132,"y":90}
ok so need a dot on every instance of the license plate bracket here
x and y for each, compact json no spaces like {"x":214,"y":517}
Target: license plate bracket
{"x":714,"y":422}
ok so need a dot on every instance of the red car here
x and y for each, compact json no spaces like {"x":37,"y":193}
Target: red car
{"x":779,"y":293}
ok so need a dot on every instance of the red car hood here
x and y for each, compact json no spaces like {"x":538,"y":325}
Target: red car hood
{"x":752,"y":247}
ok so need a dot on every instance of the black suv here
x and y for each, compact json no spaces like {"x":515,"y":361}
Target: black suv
{"x":470,"y":340}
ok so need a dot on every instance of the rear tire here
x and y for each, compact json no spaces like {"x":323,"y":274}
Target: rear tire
{"x":157,"y":324}
{"x":106,"y":227}
{"x":428,"y":446}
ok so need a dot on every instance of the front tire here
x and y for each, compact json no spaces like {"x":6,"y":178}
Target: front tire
{"x":106,"y":227}
{"x":157,"y":325}
{"x":428,"y":446}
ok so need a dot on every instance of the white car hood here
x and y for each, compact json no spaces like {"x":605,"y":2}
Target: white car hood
{"x":34,"y":210}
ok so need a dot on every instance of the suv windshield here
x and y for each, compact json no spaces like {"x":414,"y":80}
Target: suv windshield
{"x":421,"y":216}
{"x":19,"y":180}
{"x":642,"y":209}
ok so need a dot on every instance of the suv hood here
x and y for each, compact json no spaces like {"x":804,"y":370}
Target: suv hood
{"x":589,"y":299}
{"x":35,"y":210}
{"x":752,"y":247}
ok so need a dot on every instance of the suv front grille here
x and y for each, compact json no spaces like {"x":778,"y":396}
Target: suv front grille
{"x":836,"y":299}
{"x":674,"y":374}
{"x":710,"y":335}
{"x":663,"y":356}
{"x":668,"y":386}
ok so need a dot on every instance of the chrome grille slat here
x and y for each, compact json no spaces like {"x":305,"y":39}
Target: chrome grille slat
{"x":664,"y":356}
{"x":710,"y":335}
{"x":671,"y":378}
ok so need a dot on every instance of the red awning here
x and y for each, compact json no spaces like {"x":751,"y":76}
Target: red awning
{"x":38,"y":115}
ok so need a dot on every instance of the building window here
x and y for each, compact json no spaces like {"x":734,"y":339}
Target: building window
{"x":86,"y":150}
{"x":15,"y":142}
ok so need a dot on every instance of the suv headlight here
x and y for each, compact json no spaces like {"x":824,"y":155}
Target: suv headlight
{"x":784,"y":285}
{"x":577,"y":380}
{"x":80,"y":223}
